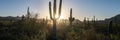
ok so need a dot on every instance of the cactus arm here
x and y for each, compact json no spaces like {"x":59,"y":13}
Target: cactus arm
{"x":71,"y":12}
{"x":54,"y":8}
{"x":50,"y":10}
{"x":60,"y":6}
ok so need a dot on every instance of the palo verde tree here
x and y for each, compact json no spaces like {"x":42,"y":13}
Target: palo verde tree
{"x":53,"y":16}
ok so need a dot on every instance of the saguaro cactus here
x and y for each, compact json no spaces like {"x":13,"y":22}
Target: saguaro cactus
{"x":28,"y":13}
{"x":22,"y":17}
{"x":71,"y":19}
{"x":94,"y":21}
{"x":53,"y":14}
{"x":84,"y":21}
{"x":88,"y":24}
{"x":110,"y":29}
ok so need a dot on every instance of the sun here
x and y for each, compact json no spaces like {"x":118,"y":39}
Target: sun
{"x":61,"y":17}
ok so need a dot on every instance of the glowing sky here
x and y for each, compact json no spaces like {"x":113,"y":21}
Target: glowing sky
{"x":81,"y":8}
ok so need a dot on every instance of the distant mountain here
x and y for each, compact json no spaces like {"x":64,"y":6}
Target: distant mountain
{"x":115,"y":19}
{"x":77,"y":21}
{"x":9,"y":18}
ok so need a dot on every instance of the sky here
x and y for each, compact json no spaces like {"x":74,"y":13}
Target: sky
{"x":101,"y":9}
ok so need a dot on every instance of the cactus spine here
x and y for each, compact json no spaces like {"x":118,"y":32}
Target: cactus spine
{"x":53,"y":14}
{"x":71,"y":19}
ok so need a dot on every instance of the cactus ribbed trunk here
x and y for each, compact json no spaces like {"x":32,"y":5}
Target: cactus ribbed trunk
{"x":54,"y":30}
{"x":54,"y":26}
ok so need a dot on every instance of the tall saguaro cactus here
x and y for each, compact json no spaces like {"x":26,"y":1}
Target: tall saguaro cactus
{"x":53,"y":15}
{"x":71,"y":19}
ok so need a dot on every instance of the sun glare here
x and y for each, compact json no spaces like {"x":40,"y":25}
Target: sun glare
{"x":61,"y":17}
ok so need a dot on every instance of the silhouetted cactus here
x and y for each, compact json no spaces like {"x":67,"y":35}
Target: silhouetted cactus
{"x":53,"y":16}
{"x":93,"y":18}
{"x":84,"y":22}
{"x":28,"y":14}
{"x":88,"y":24}
{"x":110,"y":29}
{"x":23,"y":18}
{"x":71,"y":19}
{"x":46,"y":21}
{"x":110,"y":26}
{"x":94,"y":23}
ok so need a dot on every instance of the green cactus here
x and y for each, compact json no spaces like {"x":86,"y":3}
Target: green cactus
{"x":71,"y":19}
{"x":53,"y":14}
